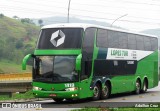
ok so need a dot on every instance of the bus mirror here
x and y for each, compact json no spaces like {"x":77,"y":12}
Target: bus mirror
{"x":25,"y":59}
{"x":78,"y":62}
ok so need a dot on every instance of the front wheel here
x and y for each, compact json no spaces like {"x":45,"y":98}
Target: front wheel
{"x":96,"y":92}
{"x":105,"y":91}
{"x":58,"y":100}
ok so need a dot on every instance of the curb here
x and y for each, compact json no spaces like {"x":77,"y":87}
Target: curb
{"x":20,"y":100}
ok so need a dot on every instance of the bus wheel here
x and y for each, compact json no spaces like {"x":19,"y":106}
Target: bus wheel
{"x":58,"y":100}
{"x":105,"y":92}
{"x":144,"y":89}
{"x":69,"y":100}
{"x":138,"y":87}
{"x":96,"y":92}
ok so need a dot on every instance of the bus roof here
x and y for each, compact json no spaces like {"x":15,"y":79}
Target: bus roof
{"x":85,"y":25}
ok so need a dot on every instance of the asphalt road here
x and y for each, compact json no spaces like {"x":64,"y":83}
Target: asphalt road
{"x":117,"y":100}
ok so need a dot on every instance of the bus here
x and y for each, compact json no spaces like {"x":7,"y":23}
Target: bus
{"x":75,"y":61}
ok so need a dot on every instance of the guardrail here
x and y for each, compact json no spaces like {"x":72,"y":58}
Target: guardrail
{"x":15,"y":77}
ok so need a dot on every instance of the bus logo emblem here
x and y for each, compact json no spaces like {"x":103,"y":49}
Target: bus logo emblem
{"x":57,"y":38}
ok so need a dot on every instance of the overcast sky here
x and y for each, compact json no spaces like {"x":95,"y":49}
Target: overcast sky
{"x":137,"y":14}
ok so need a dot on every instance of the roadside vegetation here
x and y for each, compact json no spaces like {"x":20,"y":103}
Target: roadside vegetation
{"x":17,"y":38}
{"x":18,"y":96}
{"x":118,"y":109}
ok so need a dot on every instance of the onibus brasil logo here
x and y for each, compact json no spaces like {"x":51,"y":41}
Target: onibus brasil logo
{"x":57,"y":38}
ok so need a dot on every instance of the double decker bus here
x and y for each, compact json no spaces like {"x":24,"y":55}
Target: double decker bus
{"x":75,"y":61}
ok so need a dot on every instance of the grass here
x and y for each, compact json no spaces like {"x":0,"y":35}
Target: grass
{"x":118,"y":109}
{"x":18,"y":96}
{"x":26,"y":95}
{"x":11,"y":67}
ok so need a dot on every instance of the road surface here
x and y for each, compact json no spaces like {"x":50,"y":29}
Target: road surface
{"x":118,"y":100}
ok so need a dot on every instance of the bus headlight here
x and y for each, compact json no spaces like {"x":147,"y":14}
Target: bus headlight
{"x":36,"y":88}
{"x":71,"y":89}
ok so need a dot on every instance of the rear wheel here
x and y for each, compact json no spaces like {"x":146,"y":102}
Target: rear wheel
{"x":138,"y":87}
{"x":105,"y":91}
{"x":144,"y":89}
{"x":58,"y":100}
{"x":96,"y":92}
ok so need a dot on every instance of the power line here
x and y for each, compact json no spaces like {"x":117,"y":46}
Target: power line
{"x":79,"y":4}
{"x":30,"y":10}
{"x":132,"y":2}
{"x":118,"y":20}
{"x":93,"y":5}
{"x":51,"y":12}
{"x":38,"y":11}
{"x":89,"y":12}
{"x":40,"y":4}
{"x":112,"y":14}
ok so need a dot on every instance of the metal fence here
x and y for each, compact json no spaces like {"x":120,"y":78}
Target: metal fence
{"x":15,"y":77}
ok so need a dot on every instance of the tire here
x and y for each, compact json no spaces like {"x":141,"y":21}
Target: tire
{"x":96,"y":92}
{"x":105,"y":91}
{"x":58,"y":100}
{"x":144,"y":89}
{"x":138,"y":87}
{"x":69,"y":100}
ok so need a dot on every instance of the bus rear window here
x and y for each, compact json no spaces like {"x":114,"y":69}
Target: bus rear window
{"x":60,"y":38}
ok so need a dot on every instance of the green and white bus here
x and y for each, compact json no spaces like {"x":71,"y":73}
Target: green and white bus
{"x":75,"y":61}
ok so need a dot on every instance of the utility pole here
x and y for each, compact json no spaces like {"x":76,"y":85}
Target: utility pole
{"x":68,"y":10}
{"x":117,"y":19}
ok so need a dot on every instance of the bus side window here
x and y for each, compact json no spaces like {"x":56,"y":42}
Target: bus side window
{"x":154,"y":44}
{"x":140,"y":43}
{"x":113,"y":39}
{"x":147,"y":44}
{"x":102,"y":38}
{"x":132,"y":42}
{"x":87,"y":52}
{"x":123,"y":39}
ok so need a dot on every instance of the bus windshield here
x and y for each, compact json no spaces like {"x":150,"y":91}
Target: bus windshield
{"x":56,"y":69}
{"x":60,"y":38}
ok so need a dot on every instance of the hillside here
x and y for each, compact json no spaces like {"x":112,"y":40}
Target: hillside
{"x":155,"y":32}
{"x":17,"y":38}
{"x":62,"y":19}
{"x":152,"y":31}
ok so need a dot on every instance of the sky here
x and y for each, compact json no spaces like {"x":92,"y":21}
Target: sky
{"x":134,"y":15}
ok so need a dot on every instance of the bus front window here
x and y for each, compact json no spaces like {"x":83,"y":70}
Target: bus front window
{"x":56,"y":69}
{"x":60,"y":38}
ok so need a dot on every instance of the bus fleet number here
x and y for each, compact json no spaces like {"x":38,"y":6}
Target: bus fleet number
{"x":69,"y":85}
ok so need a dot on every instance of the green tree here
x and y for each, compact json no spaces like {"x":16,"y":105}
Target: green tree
{"x":40,"y":21}
{"x":1,"y":15}
{"x":27,"y":20}
{"x":15,"y":17}
{"x":19,"y":44}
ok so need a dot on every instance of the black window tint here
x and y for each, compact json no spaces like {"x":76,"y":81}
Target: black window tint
{"x":140,"y":43}
{"x":147,"y":44}
{"x":154,"y":44}
{"x":67,"y":38}
{"x":122,"y":40}
{"x":113,"y":39}
{"x":87,"y":52}
{"x":88,"y":42}
{"x":102,"y":39}
{"x":132,"y":41}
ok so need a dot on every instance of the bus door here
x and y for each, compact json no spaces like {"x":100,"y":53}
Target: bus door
{"x":87,"y":57}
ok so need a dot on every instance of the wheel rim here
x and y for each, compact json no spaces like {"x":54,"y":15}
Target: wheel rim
{"x":105,"y":90}
{"x":96,"y":91}
{"x":137,"y":87}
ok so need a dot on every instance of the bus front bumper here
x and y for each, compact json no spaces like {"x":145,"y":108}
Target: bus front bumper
{"x":56,"y":94}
